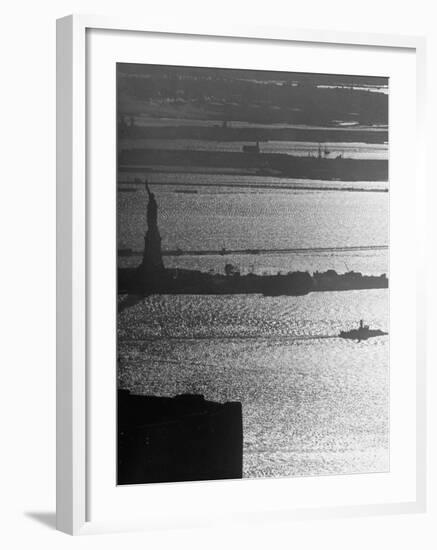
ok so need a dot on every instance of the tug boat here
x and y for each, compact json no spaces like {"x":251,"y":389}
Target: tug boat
{"x":363,"y":332}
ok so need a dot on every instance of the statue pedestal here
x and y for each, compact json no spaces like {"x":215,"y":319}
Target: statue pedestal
{"x":152,"y":256}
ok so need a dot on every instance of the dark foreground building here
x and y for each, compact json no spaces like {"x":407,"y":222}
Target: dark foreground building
{"x":183,"y":438}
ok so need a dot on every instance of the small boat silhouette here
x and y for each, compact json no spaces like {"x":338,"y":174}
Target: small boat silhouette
{"x":363,"y":332}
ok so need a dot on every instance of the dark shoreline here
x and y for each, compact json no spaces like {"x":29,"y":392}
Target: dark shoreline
{"x":218,"y":133}
{"x":184,"y":281}
{"x":278,"y":165}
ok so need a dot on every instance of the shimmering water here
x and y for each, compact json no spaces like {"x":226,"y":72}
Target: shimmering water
{"x":212,"y":217}
{"x":312,"y":403}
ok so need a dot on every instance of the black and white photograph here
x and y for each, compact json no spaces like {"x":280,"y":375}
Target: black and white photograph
{"x":252,"y":274}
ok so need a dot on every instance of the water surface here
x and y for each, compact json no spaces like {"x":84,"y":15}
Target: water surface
{"x":312,"y":403}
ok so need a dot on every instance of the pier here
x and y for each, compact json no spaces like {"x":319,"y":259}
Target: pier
{"x":250,"y":251}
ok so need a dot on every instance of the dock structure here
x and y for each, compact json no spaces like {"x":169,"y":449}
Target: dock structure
{"x":251,"y":148}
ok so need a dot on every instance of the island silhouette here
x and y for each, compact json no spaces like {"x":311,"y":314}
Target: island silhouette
{"x":152,"y":277}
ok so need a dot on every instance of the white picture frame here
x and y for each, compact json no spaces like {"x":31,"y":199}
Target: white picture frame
{"x":72,"y":476}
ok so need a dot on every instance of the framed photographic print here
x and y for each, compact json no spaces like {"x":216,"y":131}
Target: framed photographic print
{"x":240,"y":333}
